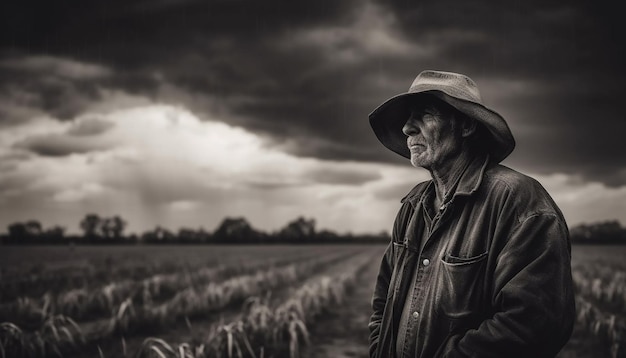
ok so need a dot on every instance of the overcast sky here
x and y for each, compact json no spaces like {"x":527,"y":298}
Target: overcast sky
{"x":179,"y":113}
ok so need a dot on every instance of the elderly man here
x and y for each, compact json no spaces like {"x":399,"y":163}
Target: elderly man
{"x":479,"y":263}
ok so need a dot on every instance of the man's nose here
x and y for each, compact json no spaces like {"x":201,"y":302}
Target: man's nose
{"x":410,"y":127}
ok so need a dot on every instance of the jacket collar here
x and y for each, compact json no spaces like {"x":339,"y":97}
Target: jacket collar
{"x":468,"y":182}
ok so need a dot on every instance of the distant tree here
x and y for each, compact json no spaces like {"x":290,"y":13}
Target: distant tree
{"x":55,"y":233}
{"x":118,"y":226}
{"x":600,"y":232}
{"x":148,"y":237}
{"x":33,"y":228}
{"x":112,"y":228}
{"x":18,"y":232}
{"x":23,"y":233}
{"x":327,"y":236}
{"x":166,"y":235}
{"x":106,"y":228}
{"x":91,"y":224}
{"x":158,"y":236}
{"x":187,"y":235}
{"x":203,"y":235}
{"x":299,"y":229}
{"x":236,"y":230}
{"x":132,"y":238}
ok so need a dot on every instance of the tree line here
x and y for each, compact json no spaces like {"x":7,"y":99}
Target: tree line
{"x":237,"y":230}
{"x":232,"y":230}
{"x":605,"y":232}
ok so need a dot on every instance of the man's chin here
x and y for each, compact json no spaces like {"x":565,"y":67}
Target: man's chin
{"x":419,"y":162}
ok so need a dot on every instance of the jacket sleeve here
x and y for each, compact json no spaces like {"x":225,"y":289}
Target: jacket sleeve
{"x":379,"y":298}
{"x":385,"y":274}
{"x":532,"y":296}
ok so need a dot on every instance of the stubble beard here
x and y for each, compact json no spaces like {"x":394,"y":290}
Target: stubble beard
{"x":433,"y":161}
{"x":418,"y":160}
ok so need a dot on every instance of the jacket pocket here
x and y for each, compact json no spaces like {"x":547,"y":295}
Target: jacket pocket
{"x":460,"y":286}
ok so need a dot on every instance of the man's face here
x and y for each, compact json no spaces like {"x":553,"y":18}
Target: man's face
{"x":433,"y":138}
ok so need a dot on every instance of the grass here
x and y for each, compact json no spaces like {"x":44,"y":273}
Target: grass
{"x":600,"y":329}
{"x":194,"y":294}
{"x":177,"y":288}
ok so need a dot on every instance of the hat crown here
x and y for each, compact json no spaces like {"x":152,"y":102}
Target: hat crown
{"x":453,"y":84}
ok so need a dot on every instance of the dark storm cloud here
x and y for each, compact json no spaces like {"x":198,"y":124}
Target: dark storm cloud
{"x":225,"y":50}
{"x":348,"y":177}
{"x":80,"y":137}
{"x":222,"y":48}
{"x":90,"y":126}
{"x":572,"y":121}
{"x":322,"y":175}
{"x":144,"y":33}
{"x":308,"y":73}
{"x":531,"y":38}
{"x":57,"y":145}
{"x":60,"y":87}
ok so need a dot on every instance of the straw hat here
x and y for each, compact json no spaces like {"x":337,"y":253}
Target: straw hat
{"x":457,"y":90}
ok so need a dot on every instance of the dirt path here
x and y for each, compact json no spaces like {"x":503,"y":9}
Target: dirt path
{"x":343,"y":332}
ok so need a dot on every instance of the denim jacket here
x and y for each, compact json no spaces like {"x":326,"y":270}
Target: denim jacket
{"x":494,"y":274}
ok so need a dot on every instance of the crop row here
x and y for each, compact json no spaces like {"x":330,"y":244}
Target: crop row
{"x":198,"y":301}
{"x":60,"y":333}
{"x":264,"y":331}
{"x":90,"y":267}
{"x":35,"y":285}
{"x":605,"y":327}
{"x":603,"y":284}
{"x":100,"y":302}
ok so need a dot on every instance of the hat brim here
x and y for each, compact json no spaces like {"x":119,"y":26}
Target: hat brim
{"x":388,"y":119}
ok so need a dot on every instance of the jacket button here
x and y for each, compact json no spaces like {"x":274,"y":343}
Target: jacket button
{"x":416,"y":314}
{"x":426,"y":262}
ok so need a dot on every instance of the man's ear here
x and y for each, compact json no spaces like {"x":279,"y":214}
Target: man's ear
{"x":468,"y":127}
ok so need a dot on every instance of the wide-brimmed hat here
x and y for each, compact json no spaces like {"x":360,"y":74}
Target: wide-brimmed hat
{"x":457,"y":90}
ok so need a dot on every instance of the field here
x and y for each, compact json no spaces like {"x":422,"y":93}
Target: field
{"x":242,"y":301}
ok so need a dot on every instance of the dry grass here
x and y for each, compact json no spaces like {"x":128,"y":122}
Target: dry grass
{"x":52,"y":334}
{"x":264,"y":331}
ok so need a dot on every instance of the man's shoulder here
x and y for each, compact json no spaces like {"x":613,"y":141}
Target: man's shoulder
{"x":527,"y":194}
{"x":503,"y":177}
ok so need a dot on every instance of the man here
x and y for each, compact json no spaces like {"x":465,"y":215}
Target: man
{"x":479,"y":263}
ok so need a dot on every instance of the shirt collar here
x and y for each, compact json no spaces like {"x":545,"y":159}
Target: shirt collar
{"x":468,"y":182}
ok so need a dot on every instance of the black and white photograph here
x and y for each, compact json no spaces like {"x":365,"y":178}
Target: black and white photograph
{"x":312,"y":179}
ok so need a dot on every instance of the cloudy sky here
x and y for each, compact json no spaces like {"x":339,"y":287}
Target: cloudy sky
{"x":179,"y":113}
